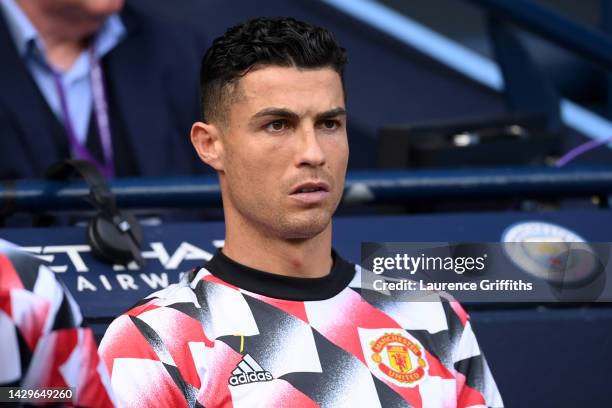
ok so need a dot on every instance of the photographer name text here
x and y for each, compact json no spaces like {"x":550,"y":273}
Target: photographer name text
{"x":421,"y":285}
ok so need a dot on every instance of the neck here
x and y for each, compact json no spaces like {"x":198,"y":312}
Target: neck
{"x":65,"y":38}
{"x":306,"y":258}
{"x":62,"y":55}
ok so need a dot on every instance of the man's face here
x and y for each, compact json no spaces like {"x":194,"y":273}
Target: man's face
{"x":285,"y":150}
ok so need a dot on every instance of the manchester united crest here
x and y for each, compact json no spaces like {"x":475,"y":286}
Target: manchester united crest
{"x":398,"y":357}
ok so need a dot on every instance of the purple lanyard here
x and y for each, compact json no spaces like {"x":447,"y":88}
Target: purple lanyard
{"x":101,"y":115}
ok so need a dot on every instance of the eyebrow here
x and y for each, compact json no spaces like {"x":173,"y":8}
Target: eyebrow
{"x":287,"y":114}
{"x":331,"y":114}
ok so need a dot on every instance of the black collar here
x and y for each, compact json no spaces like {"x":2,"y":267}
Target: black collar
{"x":279,"y":286}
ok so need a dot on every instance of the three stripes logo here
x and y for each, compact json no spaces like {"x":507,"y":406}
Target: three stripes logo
{"x":249,"y":371}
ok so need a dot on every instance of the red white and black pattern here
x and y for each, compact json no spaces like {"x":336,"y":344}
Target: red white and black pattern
{"x":209,"y":342}
{"x":42,"y":339}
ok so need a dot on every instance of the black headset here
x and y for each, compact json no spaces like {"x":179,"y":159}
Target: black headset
{"x":114,"y":236}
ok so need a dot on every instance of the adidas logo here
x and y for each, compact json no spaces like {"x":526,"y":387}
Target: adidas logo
{"x":248,"y":371}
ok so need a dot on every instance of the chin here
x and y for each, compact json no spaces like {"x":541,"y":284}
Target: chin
{"x":104,"y":8}
{"x":305,"y":228}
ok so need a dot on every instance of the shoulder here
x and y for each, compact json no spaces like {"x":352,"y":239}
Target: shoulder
{"x":442,"y":326}
{"x":436,"y":317}
{"x":164,"y":323}
{"x":150,"y":313}
{"x":166,"y":318}
{"x":152,"y":350}
{"x":167,"y":34}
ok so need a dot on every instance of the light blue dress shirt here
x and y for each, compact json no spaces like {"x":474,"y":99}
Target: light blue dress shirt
{"x":76,"y":80}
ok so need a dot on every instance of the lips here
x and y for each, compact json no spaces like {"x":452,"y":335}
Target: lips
{"x":310,"y":186}
{"x":312,"y":192}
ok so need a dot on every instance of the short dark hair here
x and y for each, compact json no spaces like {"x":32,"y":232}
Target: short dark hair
{"x":282,"y":41}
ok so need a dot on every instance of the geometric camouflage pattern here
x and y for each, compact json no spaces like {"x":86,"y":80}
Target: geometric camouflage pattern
{"x":207,"y":343}
{"x":43,"y":342}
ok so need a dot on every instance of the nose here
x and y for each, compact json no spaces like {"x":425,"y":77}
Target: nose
{"x":310,"y":152}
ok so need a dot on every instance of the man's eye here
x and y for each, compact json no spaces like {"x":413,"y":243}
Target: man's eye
{"x":276,"y":126}
{"x":330,"y":124}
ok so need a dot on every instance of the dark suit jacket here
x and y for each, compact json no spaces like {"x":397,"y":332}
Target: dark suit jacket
{"x":152,"y":83}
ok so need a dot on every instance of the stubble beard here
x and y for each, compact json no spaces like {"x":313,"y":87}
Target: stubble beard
{"x":302,"y":225}
{"x":274,"y":222}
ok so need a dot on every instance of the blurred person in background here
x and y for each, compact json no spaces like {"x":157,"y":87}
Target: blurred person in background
{"x":96,"y":80}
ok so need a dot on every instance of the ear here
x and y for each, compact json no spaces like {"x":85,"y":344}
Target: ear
{"x":206,"y":140}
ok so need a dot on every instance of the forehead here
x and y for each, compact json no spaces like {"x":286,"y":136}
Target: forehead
{"x":297,"y":89}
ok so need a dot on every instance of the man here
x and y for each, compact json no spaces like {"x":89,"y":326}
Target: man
{"x":43,"y":342}
{"x":276,"y":319}
{"x":94,"y":80}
